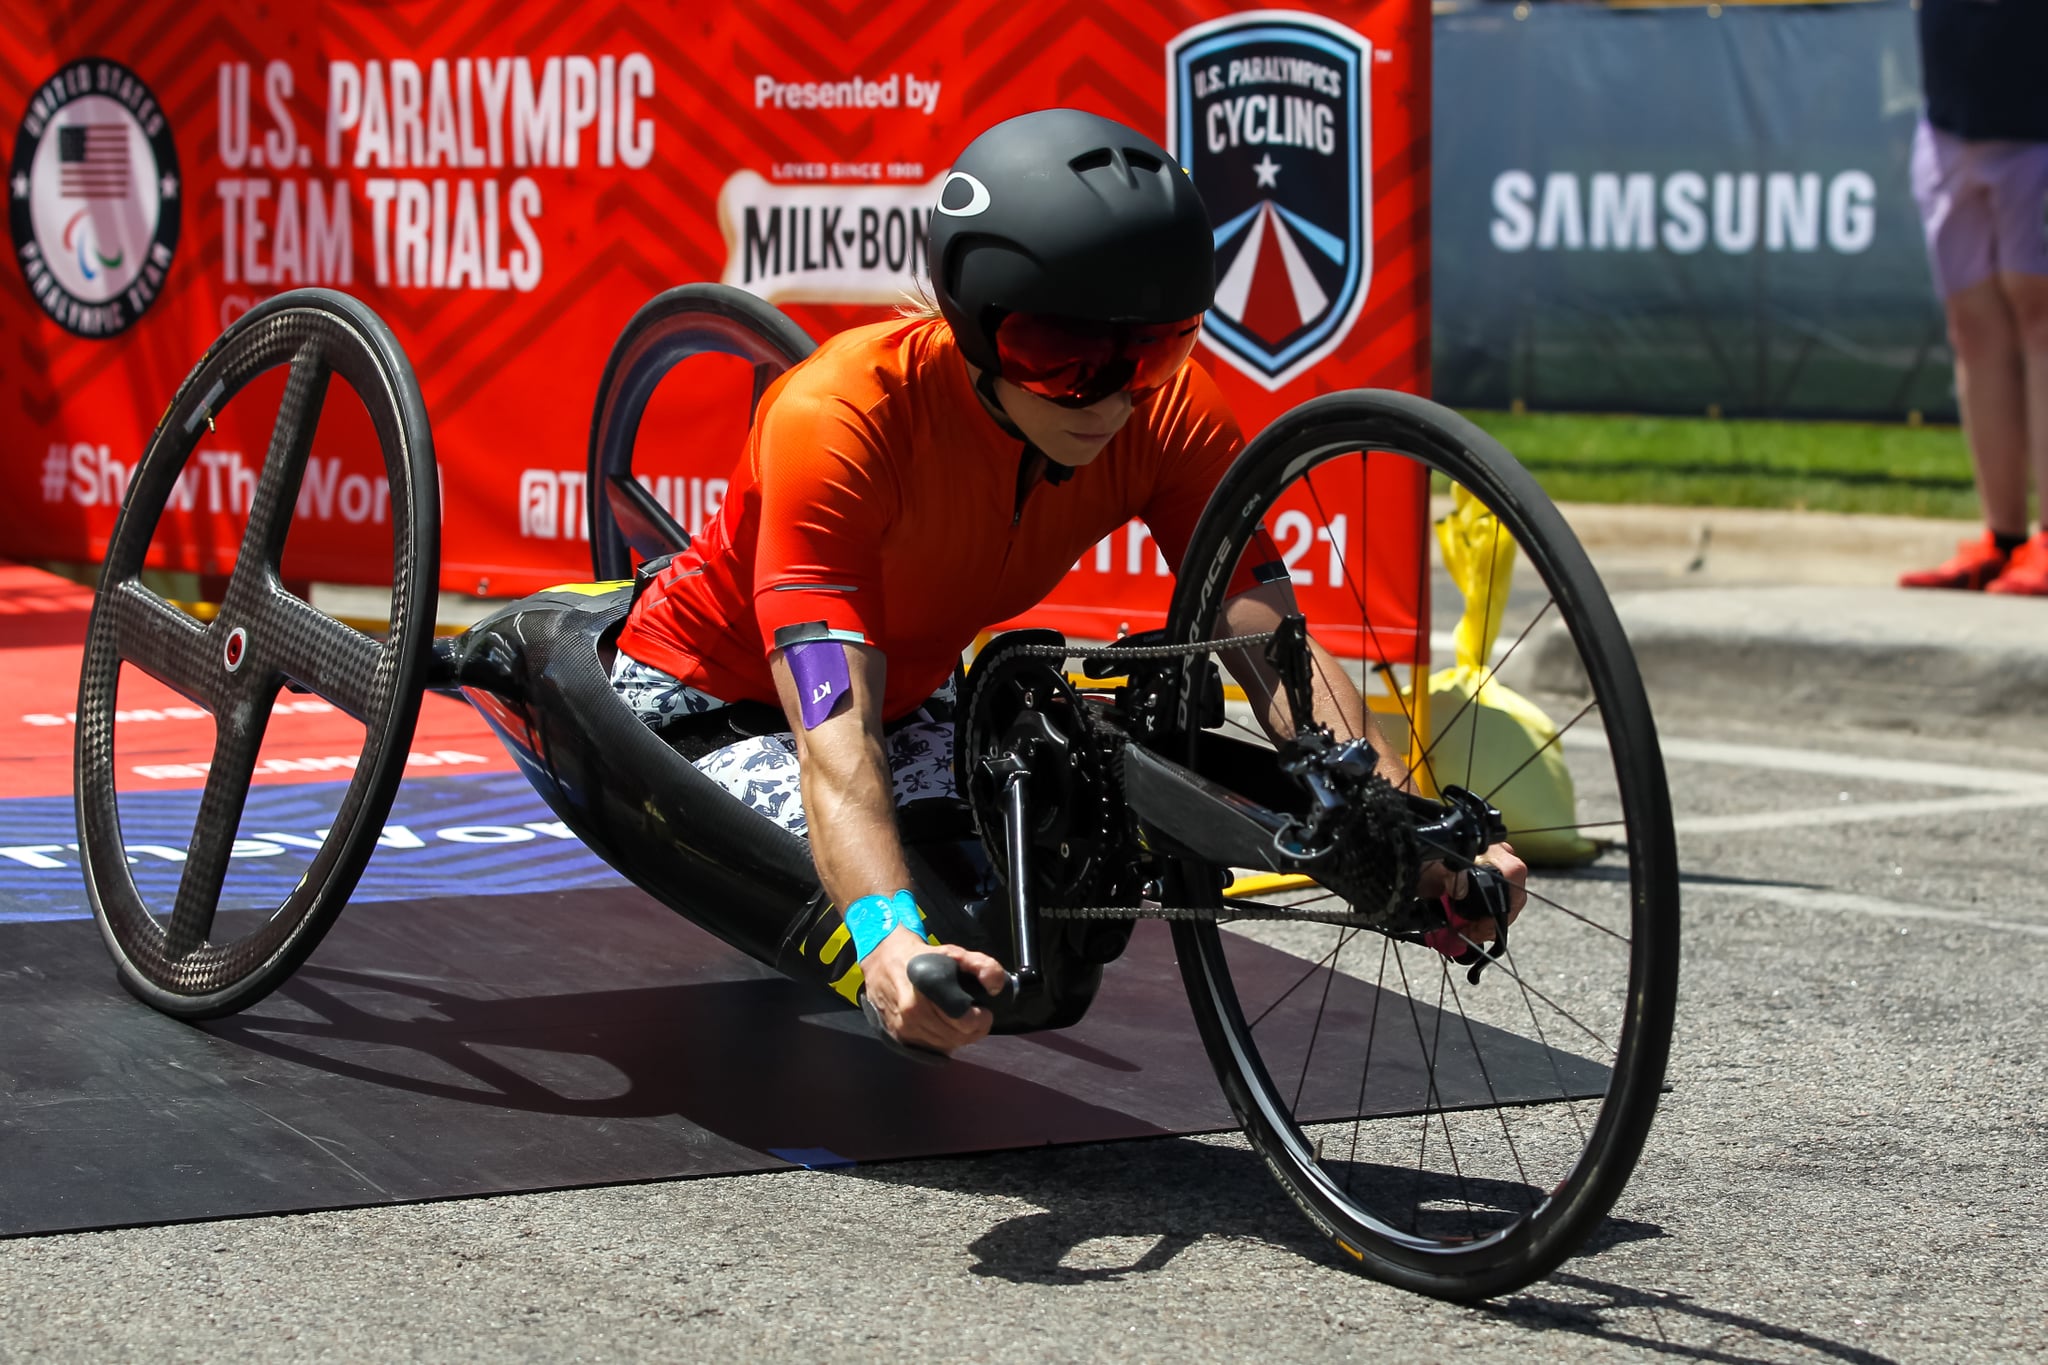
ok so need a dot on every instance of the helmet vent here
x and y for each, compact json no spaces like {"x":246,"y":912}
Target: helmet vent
{"x":1095,"y":160}
{"x":1141,"y":160}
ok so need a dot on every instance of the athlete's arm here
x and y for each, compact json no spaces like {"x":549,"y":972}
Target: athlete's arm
{"x":1339,"y":706}
{"x":850,"y":804}
{"x":1337,"y":700}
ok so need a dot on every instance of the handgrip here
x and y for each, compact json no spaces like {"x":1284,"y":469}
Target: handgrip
{"x":1486,"y":897}
{"x":1486,"y":893}
{"x":948,"y":985}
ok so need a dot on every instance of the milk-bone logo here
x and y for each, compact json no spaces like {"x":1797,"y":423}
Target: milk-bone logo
{"x":94,"y":197}
{"x":825,"y":243}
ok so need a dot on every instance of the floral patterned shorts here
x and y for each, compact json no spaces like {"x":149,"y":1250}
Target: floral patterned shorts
{"x":762,"y":770}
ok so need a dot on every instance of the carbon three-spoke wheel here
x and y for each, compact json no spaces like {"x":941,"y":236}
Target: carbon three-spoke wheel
{"x":1456,"y":1137}
{"x":626,"y":518}
{"x":182,"y":961}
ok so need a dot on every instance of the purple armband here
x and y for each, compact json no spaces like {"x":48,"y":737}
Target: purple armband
{"x":819,"y":670}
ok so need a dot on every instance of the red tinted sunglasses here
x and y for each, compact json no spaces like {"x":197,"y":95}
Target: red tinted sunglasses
{"x":1077,"y":364}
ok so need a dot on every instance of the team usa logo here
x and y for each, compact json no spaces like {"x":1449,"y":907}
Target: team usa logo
{"x":93,"y":195}
{"x":1268,"y":111}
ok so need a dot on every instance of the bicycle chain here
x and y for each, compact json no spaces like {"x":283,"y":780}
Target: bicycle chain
{"x":1137,"y":651}
{"x":1217,"y":914}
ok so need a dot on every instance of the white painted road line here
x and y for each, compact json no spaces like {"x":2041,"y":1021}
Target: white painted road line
{"x":1850,"y":903}
{"x":1865,"y":766}
{"x":1854,"y":814}
{"x":1770,"y":758}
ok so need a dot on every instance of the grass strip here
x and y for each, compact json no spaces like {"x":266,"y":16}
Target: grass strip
{"x":1708,"y":462}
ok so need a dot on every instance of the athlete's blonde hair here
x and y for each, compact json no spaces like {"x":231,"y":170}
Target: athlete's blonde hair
{"x":919,"y":305}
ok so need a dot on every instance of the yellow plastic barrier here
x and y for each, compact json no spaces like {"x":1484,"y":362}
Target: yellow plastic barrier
{"x":1489,"y":730}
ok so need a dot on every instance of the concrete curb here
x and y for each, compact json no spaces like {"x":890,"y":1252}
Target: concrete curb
{"x":1736,"y":544}
{"x":1798,"y":614}
{"x":1953,"y":665}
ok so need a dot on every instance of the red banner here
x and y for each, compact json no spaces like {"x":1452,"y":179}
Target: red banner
{"x":506,"y":186}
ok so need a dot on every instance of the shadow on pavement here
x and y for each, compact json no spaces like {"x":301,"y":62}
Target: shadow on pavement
{"x":1533,"y":1309}
{"x":1141,"y":1199}
{"x":1143,"y":1193}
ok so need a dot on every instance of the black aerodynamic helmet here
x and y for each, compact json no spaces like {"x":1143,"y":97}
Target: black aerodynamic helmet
{"x":1072,"y":256}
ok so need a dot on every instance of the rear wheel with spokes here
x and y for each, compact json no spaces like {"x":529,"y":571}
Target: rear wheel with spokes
{"x":1455,"y":1137}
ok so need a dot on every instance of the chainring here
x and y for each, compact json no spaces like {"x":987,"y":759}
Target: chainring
{"x":1082,"y":842}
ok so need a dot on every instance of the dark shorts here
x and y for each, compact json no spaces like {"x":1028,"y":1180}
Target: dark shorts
{"x":762,"y":771}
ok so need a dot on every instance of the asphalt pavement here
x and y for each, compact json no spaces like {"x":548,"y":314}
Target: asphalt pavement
{"x":1847,"y":1167}
{"x":1798,"y":615}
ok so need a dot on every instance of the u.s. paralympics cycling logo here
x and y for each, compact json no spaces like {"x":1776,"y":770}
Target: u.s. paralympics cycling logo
{"x":93,"y":195}
{"x":1269,"y":112}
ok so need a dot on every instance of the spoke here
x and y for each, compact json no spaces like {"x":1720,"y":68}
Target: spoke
{"x":1431,"y":1096}
{"x":1322,"y":893}
{"x":291,"y":440}
{"x":1443,"y":1113}
{"x":1315,"y":1032}
{"x":1364,"y":1071}
{"x":1549,"y":1052}
{"x":1328,"y":686}
{"x":1565,"y":829}
{"x":1570,"y":913}
{"x":337,"y":662}
{"x":1500,"y":1112}
{"x":1515,"y":976}
{"x":1492,"y":672}
{"x":1257,"y":908}
{"x":165,"y":643}
{"x":1330,"y":956}
{"x":1255,"y":733}
{"x":1541,"y":749}
{"x":1464,"y":864}
{"x":238,"y":737}
{"x":1262,"y":910}
{"x":1418,"y":666}
{"x":1472,"y":749}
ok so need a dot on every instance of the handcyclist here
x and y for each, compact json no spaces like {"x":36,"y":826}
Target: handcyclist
{"x":913,"y":481}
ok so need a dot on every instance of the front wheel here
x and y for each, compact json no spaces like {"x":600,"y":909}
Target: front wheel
{"x":187,"y":962}
{"x":1455,"y":1137}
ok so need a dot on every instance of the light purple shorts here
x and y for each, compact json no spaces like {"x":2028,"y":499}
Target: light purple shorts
{"x":1983,"y":205}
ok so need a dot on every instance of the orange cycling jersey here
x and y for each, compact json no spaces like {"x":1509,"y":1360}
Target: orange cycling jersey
{"x":879,"y":503}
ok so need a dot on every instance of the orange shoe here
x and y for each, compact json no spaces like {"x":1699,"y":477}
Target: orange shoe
{"x":1976,"y":563}
{"x":2026,"y":573}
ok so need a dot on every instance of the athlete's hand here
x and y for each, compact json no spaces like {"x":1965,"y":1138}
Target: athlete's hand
{"x":1439,"y":880}
{"x":911,"y":1018}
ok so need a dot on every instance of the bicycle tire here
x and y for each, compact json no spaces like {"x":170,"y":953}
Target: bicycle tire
{"x":235,"y":664}
{"x":1499,"y":1249}
{"x":676,"y":324}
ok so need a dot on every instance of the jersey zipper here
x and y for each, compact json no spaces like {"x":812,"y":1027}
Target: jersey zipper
{"x":1027,"y":479}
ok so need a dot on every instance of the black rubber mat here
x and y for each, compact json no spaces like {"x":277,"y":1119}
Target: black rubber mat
{"x":491,"y":1045}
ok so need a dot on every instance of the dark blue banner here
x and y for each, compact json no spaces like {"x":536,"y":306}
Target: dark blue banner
{"x":480,"y":835}
{"x":1667,"y":210}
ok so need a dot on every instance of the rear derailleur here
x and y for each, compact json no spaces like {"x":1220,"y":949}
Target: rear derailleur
{"x":1369,"y":842}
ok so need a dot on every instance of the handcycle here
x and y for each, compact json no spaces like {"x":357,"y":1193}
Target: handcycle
{"x":1449,"y":1138}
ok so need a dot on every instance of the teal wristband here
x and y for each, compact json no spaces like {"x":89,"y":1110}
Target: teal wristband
{"x":873,"y":918}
